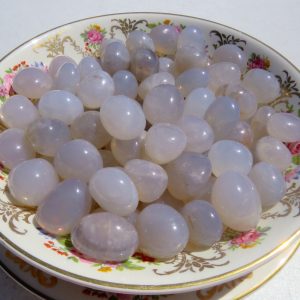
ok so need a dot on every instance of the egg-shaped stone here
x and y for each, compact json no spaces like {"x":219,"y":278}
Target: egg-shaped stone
{"x":57,"y":62}
{"x":125,"y":84}
{"x":139,"y":39}
{"x":105,"y":237}
{"x":88,"y":65}
{"x":64,"y":207}
{"x":260,"y":120}
{"x":114,"y":191}
{"x":191,"y":36}
{"x":31,"y":181}
{"x":166,"y":64}
{"x":163,"y":232}
{"x":237,"y":201}
{"x":67,"y":78}
{"x":242,"y":133}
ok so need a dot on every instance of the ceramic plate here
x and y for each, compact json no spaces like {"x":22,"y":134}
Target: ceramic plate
{"x":236,"y":254}
{"x":49,"y":287}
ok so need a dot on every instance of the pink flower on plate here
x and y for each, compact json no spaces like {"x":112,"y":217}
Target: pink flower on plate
{"x":246,"y":237}
{"x":8,"y":80}
{"x":3,"y":91}
{"x":94,"y":36}
{"x":294,"y":147}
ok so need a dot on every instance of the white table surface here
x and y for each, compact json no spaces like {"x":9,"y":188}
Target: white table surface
{"x":275,"y":22}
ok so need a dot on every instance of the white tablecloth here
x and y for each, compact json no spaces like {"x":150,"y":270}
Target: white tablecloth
{"x":275,"y":22}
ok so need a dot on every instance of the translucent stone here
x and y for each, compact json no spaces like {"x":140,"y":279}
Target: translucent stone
{"x":77,"y":159}
{"x":57,"y":62}
{"x":200,"y":135}
{"x":191,"y":79}
{"x":284,"y":126}
{"x":162,"y":231}
{"x":88,"y":65}
{"x":61,"y":105}
{"x":165,"y":142}
{"x":124,"y":151}
{"x":115,"y":57}
{"x":242,"y":132}
{"x":107,"y":41}
{"x":114,"y":191}
{"x":153,"y":81}
{"x":273,"y":151}
{"x":166,"y":64}
{"x":139,"y":39}
{"x":190,"y":57}
{"x":205,"y":226}
{"x":32,"y":82}
{"x":47,"y":135}
{"x":260,"y":120}
{"x":105,"y":237}
{"x":198,"y":101}
{"x":144,"y":63}
{"x":88,"y":126}
{"x":125,"y":84}
{"x":31,"y":181}
{"x":108,"y":159}
{"x":230,"y":53}
{"x":269,"y":182}
{"x":18,"y":112}
{"x":244,"y":98}
{"x":64,"y":207}
{"x":149,"y":178}
{"x":226,"y":155}
{"x":236,"y":200}
{"x":163,"y":104}
{"x":223,"y":73}
{"x":14,"y":147}
{"x":165,"y":39}
{"x":188,"y":175}
{"x":67,"y":78}
{"x":168,"y":199}
{"x":123,"y":117}
{"x":191,"y":36}
{"x":95,"y":88}
{"x":222,"y":116}
{"x":263,"y":84}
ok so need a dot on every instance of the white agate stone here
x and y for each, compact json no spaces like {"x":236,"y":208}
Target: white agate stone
{"x":284,"y":126}
{"x":200,"y":135}
{"x":165,"y":142}
{"x":95,"y":88}
{"x":124,"y":151}
{"x":125,"y":84}
{"x":67,"y":78}
{"x":139,"y":39}
{"x":166,"y":64}
{"x":61,"y":105}
{"x":149,"y":178}
{"x":163,"y":104}
{"x":163,"y":232}
{"x":260,"y":120}
{"x":236,"y":200}
{"x":153,"y":81}
{"x":188,"y":175}
{"x":198,"y":101}
{"x":32,"y":82}
{"x":14,"y":147}
{"x":64,"y":207}
{"x":31,"y":181}
{"x":223,"y":73}
{"x":88,"y":65}
{"x":269,"y":182}
{"x":88,"y":126}
{"x":205,"y":225}
{"x":47,"y":135}
{"x":263,"y":84}
{"x":122,"y":117}
{"x":59,"y":61}
{"x":222,"y":115}
{"x":242,"y":133}
{"x":77,"y":159}
{"x":192,"y":79}
{"x":105,"y":237}
{"x":191,"y":36}
{"x":273,"y":151}
{"x":18,"y":112}
{"x":230,"y":53}
{"x":114,"y":191}
{"x":165,"y":39}
{"x":226,"y":155}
